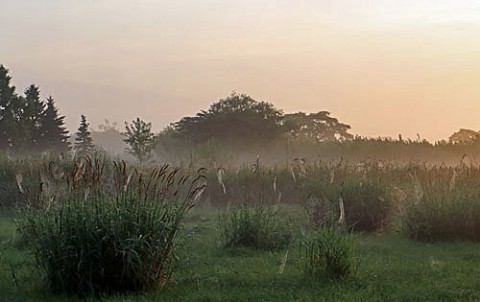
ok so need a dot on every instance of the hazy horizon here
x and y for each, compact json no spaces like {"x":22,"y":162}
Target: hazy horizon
{"x":382,"y":67}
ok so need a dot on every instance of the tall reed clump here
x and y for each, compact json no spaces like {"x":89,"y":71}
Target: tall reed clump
{"x":258,"y":227}
{"x":329,"y":252}
{"x":444,"y":205}
{"x":444,"y":216}
{"x":92,"y":239}
{"x":365,"y":201}
{"x":19,"y":178}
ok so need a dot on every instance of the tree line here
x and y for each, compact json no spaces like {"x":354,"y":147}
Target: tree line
{"x":239,"y":118}
{"x":30,"y":124}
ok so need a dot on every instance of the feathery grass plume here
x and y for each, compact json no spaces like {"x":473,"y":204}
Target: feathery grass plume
{"x":279,"y":198}
{"x":453,"y":180}
{"x":332,"y":176}
{"x":220,"y":173}
{"x":418,"y":189}
{"x":341,"y":219}
{"x":283,"y":263}
{"x":19,"y":180}
{"x":293,"y":174}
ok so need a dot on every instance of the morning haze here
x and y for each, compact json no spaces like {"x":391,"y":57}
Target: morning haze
{"x":384,"y":68}
{"x":253,"y":150}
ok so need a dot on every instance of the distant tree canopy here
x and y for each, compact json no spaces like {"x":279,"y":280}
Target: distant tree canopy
{"x":28,"y":124}
{"x":464,"y":136}
{"x":242,"y":119}
{"x":237,"y":117}
{"x":319,"y":126}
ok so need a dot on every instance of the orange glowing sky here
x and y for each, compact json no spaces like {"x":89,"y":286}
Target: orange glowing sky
{"x":384,"y":68}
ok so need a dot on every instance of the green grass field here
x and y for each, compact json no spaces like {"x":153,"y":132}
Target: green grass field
{"x":391,"y":268}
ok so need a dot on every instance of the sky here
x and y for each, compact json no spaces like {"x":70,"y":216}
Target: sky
{"x":385,"y":67}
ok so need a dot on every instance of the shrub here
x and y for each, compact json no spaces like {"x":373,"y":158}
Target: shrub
{"x":367,"y":204}
{"x":330,"y":253}
{"x":257,"y":227}
{"x":91,"y":244}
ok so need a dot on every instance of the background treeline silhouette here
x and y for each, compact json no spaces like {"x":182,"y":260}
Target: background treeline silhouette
{"x":232,"y":130}
{"x":28,"y":123}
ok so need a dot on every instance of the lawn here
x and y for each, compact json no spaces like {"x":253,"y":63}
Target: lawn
{"x":391,"y":268}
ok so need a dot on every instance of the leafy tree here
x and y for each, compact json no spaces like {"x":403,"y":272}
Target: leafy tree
{"x":139,"y":136}
{"x":464,"y":136}
{"x":236,"y":118}
{"x":53,"y":132}
{"x":83,"y":139}
{"x":319,"y":126}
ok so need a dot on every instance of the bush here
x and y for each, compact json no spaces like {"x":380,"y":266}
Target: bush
{"x":257,"y":227}
{"x":444,"y":216}
{"x":96,"y":243}
{"x":367,"y":204}
{"x":330,"y":253}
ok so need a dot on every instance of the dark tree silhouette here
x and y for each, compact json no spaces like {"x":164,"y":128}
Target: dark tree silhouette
{"x":53,"y":132}
{"x":138,"y":135}
{"x":464,"y":136}
{"x":83,"y":139}
{"x":9,"y":110}
{"x":236,"y":118}
{"x":27,"y":123}
{"x":319,"y":126}
{"x":33,"y":110}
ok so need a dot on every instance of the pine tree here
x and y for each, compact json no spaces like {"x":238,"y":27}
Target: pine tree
{"x":8,"y":110}
{"x":83,"y":140}
{"x":52,"y":129}
{"x":31,"y":117}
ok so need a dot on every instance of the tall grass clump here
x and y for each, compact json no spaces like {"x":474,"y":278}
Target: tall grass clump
{"x":365,"y":201}
{"x":367,"y":204}
{"x":444,"y":204}
{"x":329,"y":252}
{"x":257,"y":227}
{"x":92,"y":241}
{"x":444,"y":216}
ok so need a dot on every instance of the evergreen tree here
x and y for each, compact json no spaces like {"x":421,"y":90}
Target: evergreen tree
{"x":54,"y":135}
{"x":17,"y":105}
{"x":83,"y":140}
{"x":31,"y":117}
{"x":8,"y":110}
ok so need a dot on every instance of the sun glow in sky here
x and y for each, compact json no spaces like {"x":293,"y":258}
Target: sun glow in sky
{"x":383,"y":66}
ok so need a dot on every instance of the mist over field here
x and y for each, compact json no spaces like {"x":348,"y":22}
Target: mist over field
{"x":384,"y":67}
{"x":265,"y":150}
